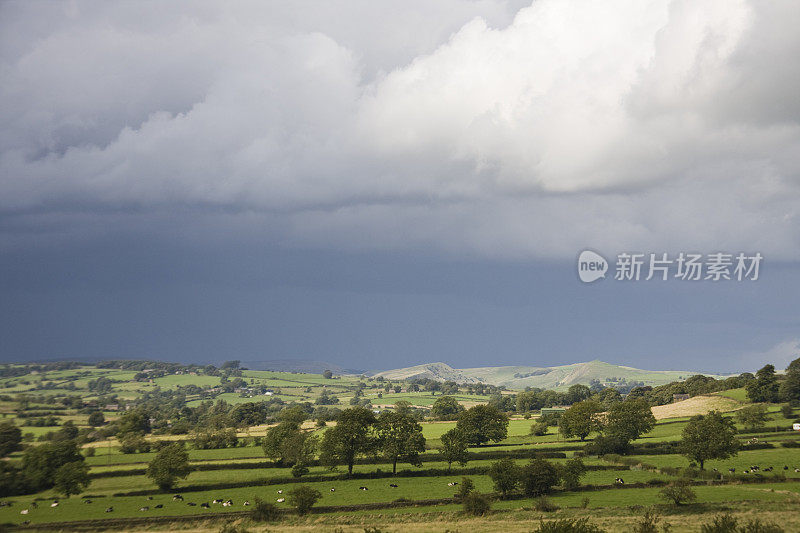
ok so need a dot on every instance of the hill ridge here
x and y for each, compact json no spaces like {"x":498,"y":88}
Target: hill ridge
{"x":544,"y":377}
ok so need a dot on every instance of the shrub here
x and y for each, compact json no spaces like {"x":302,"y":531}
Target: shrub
{"x":131,"y":443}
{"x":299,"y":470}
{"x":539,"y":429}
{"x":678,"y":492}
{"x":89,"y":452}
{"x":538,"y":477}
{"x":466,"y":487}
{"x":727,"y":523}
{"x":264,"y":511}
{"x":303,"y":498}
{"x":569,"y":525}
{"x":476,"y":504}
{"x":571,"y":473}
{"x":648,"y":523}
{"x":544,"y":505}
{"x":505,"y":476}
{"x":787,"y":411}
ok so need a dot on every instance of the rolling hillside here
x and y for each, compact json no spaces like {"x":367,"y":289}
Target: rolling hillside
{"x":555,"y":377}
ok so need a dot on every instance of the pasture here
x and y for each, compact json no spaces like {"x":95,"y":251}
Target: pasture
{"x":243,"y":473}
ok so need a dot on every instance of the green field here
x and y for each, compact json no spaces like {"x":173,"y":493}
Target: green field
{"x":242,"y":473}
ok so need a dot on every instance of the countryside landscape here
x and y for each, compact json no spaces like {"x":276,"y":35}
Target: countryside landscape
{"x":400,"y":266}
{"x":164,"y":446}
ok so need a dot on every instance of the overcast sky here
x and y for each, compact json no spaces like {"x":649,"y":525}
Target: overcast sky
{"x":380,"y":184}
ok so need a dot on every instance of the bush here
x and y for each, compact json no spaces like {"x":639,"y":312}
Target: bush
{"x":571,"y":473}
{"x":678,"y":492}
{"x":727,"y":523}
{"x":303,"y":498}
{"x":787,"y":411}
{"x":544,"y":505}
{"x":476,"y":504}
{"x":649,"y":523}
{"x":538,"y":477}
{"x":539,"y":429}
{"x":608,"y":444}
{"x":791,"y":444}
{"x":466,"y":487}
{"x":505,"y":476}
{"x":264,"y":511}
{"x":89,"y":452}
{"x":132,"y":443}
{"x":569,"y":525}
{"x":299,"y":470}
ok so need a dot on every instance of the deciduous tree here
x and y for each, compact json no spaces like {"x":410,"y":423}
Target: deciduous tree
{"x":400,"y":438}
{"x":710,"y":436}
{"x":482,"y":423}
{"x":169,"y":465}
{"x":352,"y":436}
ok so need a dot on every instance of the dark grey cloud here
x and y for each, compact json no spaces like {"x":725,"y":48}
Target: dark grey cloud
{"x":406,"y":178}
{"x":473,"y":127}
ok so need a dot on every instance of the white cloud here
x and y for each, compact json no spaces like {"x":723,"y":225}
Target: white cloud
{"x":779,"y":356}
{"x":617,"y":125}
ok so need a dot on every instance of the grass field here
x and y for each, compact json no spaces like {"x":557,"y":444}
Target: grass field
{"x":241,"y":474}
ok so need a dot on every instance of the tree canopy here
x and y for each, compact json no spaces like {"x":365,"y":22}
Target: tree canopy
{"x":400,"y":438}
{"x":169,"y":464}
{"x":710,"y":436}
{"x":580,"y":419}
{"x":482,"y":423}
{"x":350,"y":437}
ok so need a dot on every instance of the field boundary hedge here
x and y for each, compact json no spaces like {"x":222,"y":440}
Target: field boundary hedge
{"x":488,"y":456}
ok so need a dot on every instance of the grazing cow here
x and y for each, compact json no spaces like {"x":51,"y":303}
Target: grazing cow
{"x":363,"y":488}
{"x":797,"y":470}
{"x":205,"y":505}
{"x":177,"y":497}
{"x":149,"y":497}
{"x":746,"y":471}
{"x":191,"y":504}
{"x":216,"y":501}
{"x":280,"y":491}
{"x":109,"y":509}
{"x":732,"y":470}
{"x":281,"y":500}
{"x":159,"y":506}
{"x":227,"y":503}
{"x":333,"y":490}
{"x":785,"y":467}
{"x":24,"y":511}
{"x":145,"y":508}
{"x":619,"y":481}
{"x":393,"y":485}
{"x":54,"y":504}
{"x":246,"y":503}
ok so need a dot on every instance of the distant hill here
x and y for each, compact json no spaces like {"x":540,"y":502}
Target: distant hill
{"x":295,"y":365}
{"x":554,"y":377}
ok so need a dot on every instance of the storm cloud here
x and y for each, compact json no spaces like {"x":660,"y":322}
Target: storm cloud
{"x":463,"y":127}
{"x":387,"y":183}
